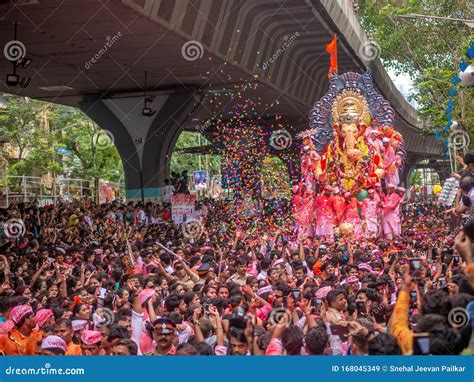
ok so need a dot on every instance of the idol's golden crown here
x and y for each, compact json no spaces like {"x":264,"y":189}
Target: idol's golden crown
{"x":349,"y":107}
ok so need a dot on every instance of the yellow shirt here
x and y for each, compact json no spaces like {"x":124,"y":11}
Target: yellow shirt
{"x":399,"y":327}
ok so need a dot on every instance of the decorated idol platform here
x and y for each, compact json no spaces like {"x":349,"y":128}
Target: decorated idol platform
{"x":350,"y":162}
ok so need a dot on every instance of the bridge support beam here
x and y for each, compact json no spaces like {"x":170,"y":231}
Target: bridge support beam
{"x":145,"y":144}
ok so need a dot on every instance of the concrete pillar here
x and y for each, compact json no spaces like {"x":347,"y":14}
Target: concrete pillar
{"x":145,"y":144}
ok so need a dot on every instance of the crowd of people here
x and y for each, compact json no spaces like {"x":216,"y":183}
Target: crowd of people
{"x":116,"y":279}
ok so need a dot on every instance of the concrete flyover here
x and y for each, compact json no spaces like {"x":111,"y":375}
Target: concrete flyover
{"x":92,"y":54}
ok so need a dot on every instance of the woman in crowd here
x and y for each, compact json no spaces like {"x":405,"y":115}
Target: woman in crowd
{"x":120,"y":283}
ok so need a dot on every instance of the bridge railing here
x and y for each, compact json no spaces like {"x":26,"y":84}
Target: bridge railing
{"x":45,"y":191}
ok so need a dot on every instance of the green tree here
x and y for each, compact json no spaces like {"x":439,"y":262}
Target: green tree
{"x":24,"y":124}
{"x":183,"y":161}
{"x":90,"y":151}
{"x":57,"y":139}
{"x":22,"y":116}
{"x":429,"y":50}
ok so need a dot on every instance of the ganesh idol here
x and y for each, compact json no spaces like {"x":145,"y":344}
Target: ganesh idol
{"x":350,"y":160}
{"x":340,"y":152}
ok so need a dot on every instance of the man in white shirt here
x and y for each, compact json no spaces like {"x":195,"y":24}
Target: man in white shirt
{"x":141,"y":216}
{"x":168,"y":190}
{"x":266,"y":264}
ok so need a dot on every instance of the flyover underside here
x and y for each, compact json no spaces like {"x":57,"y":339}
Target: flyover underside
{"x":275,"y":48}
{"x":145,"y":144}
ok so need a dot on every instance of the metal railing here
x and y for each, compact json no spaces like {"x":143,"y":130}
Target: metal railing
{"x":44,"y":191}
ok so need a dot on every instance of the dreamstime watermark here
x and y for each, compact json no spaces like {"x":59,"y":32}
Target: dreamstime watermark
{"x":14,"y":50}
{"x":369,"y":50}
{"x":192,"y":50}
{"x":45,"y":370}
{"x":368,"y":320}
{"x":276,"y":315}
{"x":458,"y":317}
{"x":14,"y":228}
{"x":281,"y":139}
{"x":103,"y":139}
{"x":202,"y":127}
{"x":110,"y":41}
{"x":103,"y":317}
{"x":287,"y":42}
{"x":459,"y":139}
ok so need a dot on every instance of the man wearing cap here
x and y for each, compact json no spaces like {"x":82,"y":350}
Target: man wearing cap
{"x":370,"y":212}
{"x":337,"y":306}
{"x":22,"y":340}
{"x":53,"y":345}
{"x":364,"y":269}
{"x":44,"y":317}
{"x":91,"y":342}
{"x":372,"y":135}
{"x":391,"y":215}
{"x":203,"y":272}
{"x":164,"y":331}
{"x":325,"y":214}
{"x":353,"y":284}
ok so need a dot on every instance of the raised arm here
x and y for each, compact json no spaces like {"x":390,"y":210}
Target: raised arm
{"x":63,"y":285}
{"x":217,"y":322}
{"x":399,"y":325}
{"x":198,"y":333}
{"x":151,"y":309}
{"x":136,"y":306}
{"x":349,"y":252}
{"x":83,"y":273}
{"x":305,"y":306}
{"x":194,"y":277}
{"x":162,"y":270}
{"x":237,"y":236}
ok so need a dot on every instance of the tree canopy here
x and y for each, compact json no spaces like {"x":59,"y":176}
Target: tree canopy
{"x":430,"y":50}
{"x":58,"y":139}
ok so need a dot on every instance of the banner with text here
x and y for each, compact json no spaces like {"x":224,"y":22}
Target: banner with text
{"x":182,"y":207}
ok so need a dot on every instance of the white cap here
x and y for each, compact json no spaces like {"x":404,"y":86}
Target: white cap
{"x":54,"y":342}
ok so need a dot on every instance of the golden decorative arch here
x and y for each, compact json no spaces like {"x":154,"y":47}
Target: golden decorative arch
{"x":350,"y":107}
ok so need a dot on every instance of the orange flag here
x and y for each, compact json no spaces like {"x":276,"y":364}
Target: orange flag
{"x":331,"y":48}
